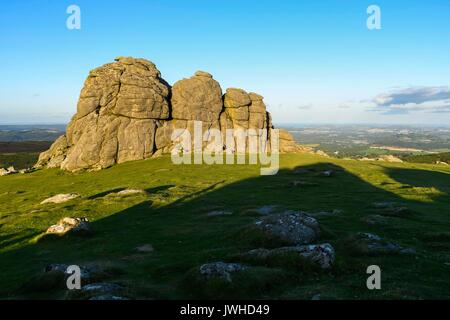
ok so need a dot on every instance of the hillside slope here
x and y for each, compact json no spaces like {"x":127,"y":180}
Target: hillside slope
{"x":173,"y":217}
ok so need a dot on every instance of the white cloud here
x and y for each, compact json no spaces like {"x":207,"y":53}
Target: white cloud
{"x":413,"y":99}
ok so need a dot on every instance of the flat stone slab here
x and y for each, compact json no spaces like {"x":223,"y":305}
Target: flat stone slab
{"x":61,"y":198}
{"x":129,"y":192}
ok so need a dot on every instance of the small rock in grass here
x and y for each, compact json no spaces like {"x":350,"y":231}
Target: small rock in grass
{"x":221,"y":270}
{"x":322,"y":255}
{"x":374,"y":244}
{"x":5,"y":172}
{"x":100,"y":289}
{"x":316,"y":297}
{"x":128,"y":192}
{"x":301,"y":183}
{"x":60,"y":198}
{"x":290,"y":226}
{"x":28,"y":170}
{"x":217,"y":213}
{"x":146,"y":248}
{"x":108,"y":297}
{"x":67,"y":224}
{"x":332,"y":213}
{"x":266,"y":210}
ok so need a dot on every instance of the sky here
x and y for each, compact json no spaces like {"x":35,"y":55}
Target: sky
{"x":313,"y":61}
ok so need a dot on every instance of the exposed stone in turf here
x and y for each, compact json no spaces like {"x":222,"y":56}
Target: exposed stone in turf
{"x":221,"y":270}
{"x":60,"y":198}
{"x":322,"y":255}
{"x":294,"y":227}
{"x":73,"y":225}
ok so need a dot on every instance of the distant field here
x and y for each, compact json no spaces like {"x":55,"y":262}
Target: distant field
{"x":429,"y":158}
{"x":21,"y":154}
{"x":30,"y":133}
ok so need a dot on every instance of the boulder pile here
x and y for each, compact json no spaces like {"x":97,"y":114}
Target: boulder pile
{"x":126,"y":112}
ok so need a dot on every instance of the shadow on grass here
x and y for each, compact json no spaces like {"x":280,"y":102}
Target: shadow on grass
{"x":421,"y":178}
{"x":184,"y":237}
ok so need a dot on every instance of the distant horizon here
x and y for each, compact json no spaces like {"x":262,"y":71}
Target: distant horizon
{"x":276,"y":124}
{"x":317,"y":62}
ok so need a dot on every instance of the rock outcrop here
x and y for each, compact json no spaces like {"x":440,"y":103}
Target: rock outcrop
{"x":6,"y":172}
{"x":292,"y":227}
{"x":126,"y":112}
{"x":72,"y":225}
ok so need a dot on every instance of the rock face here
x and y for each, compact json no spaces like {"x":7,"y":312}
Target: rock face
{"x":116,"y":117}
{"x":126,"y":112}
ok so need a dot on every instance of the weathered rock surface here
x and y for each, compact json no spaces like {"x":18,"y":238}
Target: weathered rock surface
{"x":291,"y":226}
{"x":221,"y":270}
{"x":116,"y":117}
{"x":197,"y":98}
{"x":61,"y":198}
{"x":145,"y":248}
{"x":73,"y":225}
{"x":5,"y":172}
{"x":126,"y":112}
{"x":368,"y":243}
{"x":130,"y":192}
{"x":322,"y":255}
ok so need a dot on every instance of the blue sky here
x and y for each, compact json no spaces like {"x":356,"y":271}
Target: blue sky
{"x":313,"y":61}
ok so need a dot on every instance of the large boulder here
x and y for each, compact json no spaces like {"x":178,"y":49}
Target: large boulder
{"x":237,"y":102}
{"x":126,"y":112}
{"x":197,"y":98}
{"x":116,"y":117}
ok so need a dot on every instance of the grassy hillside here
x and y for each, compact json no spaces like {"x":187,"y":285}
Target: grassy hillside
{"x":172,"y":217}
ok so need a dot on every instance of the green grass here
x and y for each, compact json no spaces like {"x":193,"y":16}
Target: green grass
{"x":21,"y":154}
{"x":172,"y":217}
{"x":429,"y":158}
